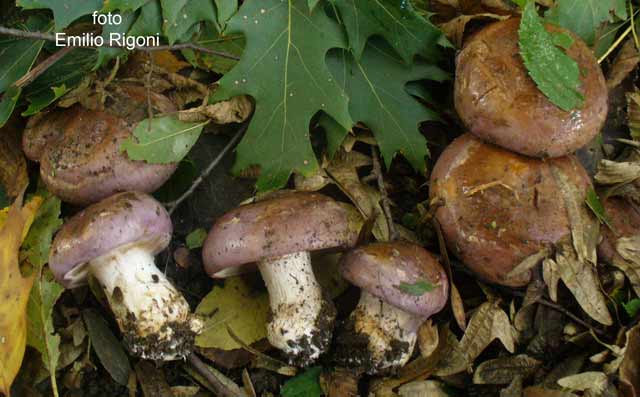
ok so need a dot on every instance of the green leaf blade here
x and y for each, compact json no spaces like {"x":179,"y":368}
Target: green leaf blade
{"x":418,"y":288}
{"x":196,"y":238}
{"x":64,"y":11}
{"x":306,"y":384}
{"x":554,"y":72}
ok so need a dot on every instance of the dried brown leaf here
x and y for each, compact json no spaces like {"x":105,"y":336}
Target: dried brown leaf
{"x":13,"y":166}
{"x":633,"y":113}
{"x":630,"y":367}
{"x":452,"y":358}
{"x":234,"y":110}
{"x":501,"y":371}
{"x":624,"y":63}
{"x":530,"y":262}
{"x":457,"y":306}
{"x":152,"y":380}
{"x":340,"y":382}
{"x":592,"y":381}
{"x":514,"y":389}
{"x":428,"y":338}
{"x":489,"y":322}
{"x":537,"y":391}
{"x":615,"y":172}
{"x":428,"y":388}
{"x":551,"y":277}
{"x":455,"y":28}
{"x":629,"y":250}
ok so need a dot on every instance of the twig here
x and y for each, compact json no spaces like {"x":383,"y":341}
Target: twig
{"x":171,"y":206}
{"x":41,"y":67}
{"x":203,"y":370}
{"x":386,"y":208}
{"x":49,"y":37}
{"x":616,"y":43}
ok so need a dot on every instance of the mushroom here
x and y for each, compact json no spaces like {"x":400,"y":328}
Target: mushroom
{"x":499,"y":208}
{"x":115,"y":241}
{"x":279,"y":233}
{"x":499,"y":103}
{"x":79,"y":149}
{"x":380,"y":334}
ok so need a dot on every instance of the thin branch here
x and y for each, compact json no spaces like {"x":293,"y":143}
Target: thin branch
{"x":41,"y":68}
{"x":49,"y":37}
{"x":171,"y":206}
{"x":386,"y":207}
{"x":206,"y":373}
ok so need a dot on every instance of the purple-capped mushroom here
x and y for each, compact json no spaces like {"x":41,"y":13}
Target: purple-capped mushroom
{"x":79,"y":149}
{"x":115,"y":241}
{"x":402,"y":286}
{"x":279,"y":233}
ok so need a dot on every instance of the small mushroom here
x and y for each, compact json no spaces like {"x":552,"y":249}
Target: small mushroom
{"x":500,"y":103}
{"x":79,"y":149}
{"x":115,"y":241}
{"x":279,"y":233}
{"x":624,"y":219}
{"x":499,"y":208}
{"x":380,"y":334}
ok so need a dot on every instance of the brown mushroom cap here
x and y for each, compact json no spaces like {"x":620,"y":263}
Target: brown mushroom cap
{"x":79,"y":149}
{"x":624,"y":218}
{"x":122,"y":219}
{"x":288,"y":223}
{"x":500,"y":207}
{"x":382,"y":268}
{"x":500,"y":103}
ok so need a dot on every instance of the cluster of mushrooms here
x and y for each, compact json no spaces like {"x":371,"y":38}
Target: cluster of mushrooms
{"x":499,"y":203}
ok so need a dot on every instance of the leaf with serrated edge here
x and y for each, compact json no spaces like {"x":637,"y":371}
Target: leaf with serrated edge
{"x":378,"y":83}
{"x":64,"y":12}
{"x":162,"y":140}
{"x":555,"y":73}
{"x":283,"y":68}
{"x":408,"y":32}
{"x":489,"y":322}
{"x":583,"y":17}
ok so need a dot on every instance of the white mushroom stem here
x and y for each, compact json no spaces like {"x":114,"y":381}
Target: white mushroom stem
{"x":153,"y":316}
{"x":296,"y":303}
{"x":391,"y":332}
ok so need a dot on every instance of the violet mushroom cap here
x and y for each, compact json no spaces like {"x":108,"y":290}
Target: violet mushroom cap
{"x":499,"y":207}
{"x":500,"y":103}
{"x":380,"y":334}
{"x":79,"y":149}
{"x":624,"y":218}
{"x":279,"y":233}
{"x":115,"y":241}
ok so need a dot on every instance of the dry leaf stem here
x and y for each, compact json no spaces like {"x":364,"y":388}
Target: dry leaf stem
{"x":171,"y":206}
{"x":49,"y":37}
{"x":386,"y":207}
{"x":41,"y":67}
{"x":202,"y":369}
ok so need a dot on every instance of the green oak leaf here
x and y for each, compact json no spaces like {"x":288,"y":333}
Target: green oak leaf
{"x":554,"y":72}
{"x":123,"y":5}
{"x":226,"y":9}
{"x":18,"y":55}
{"x":306,"y":384}
{"x":8,"y":102}
{"x":162,"y":140}
{"x":149,"y":22}
{"x":283,"y":68}
{"x":40,"y":330}
{"x":418,"y":288}
{"x":583,"y":17}
{"x":104,"y":53}
{"x":408,"y":32}
{"x":63,"y":75}
{"x":64,"y":11}
{"x":378,"y":82}
{"x":180,"y":16}
{"x":35,"y":247}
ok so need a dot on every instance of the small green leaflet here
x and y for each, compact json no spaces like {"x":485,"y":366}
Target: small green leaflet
{"x":594,"y":203}
{"x":584,"y":17}
{"x":35,"y":247}
{"x":107,"y":346}
{"x":283,"y":68}
{"x":408,"y":32}
{"x":306,"y":384}
{"x":162,"y":140}
{"x":632,"y":307}
{"x":181,"y":15}
{"x":8,"y":102}
{"x":17,"y":56}
{"x":377,"y":84}
{"x":196,"y":238}
{"x":418,"y":288}
{"x":555,"y":73}
{"x":64,"y":11}
{"x":40,"y":331}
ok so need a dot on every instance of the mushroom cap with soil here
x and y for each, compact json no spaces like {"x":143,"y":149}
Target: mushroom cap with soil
{"x":500,"y":103}
{"x":499,"y":208}
{"x":79,"y":149}
{"x":380,"y":334}
{"x":279,"y":233}
{"x":115,"y":241}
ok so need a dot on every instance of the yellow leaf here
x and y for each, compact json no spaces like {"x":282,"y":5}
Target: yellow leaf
{"x":237,"y":306}
{"x":14,"y":290}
